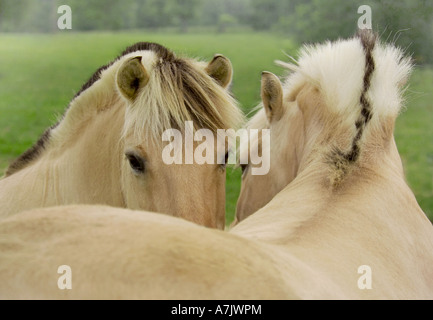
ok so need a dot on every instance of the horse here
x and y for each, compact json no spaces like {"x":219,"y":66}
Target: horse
{"x":346,"y":225}
{"x":336,"y":194}
{"x":107,"y":148}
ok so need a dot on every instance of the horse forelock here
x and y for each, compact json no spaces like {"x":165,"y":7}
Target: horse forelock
{"x":180,"y":90}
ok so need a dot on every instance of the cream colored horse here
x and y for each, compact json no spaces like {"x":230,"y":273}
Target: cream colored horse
{"x":336,"y":196}
{"x":346,"y":225}
{"x":107,"y":149}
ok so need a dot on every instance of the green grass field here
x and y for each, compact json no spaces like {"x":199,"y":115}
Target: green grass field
{"x":39,"y":74}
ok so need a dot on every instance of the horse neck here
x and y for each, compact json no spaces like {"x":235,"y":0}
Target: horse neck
{"x":309,"y":198}
{"x":79,"y":165}
{"x":372,"y":218}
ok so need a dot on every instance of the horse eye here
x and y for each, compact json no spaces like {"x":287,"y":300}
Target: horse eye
{"x":136,"y":162}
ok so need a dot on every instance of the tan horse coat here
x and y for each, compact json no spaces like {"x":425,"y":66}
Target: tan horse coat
{"x":310,"y":241}
{"x":118,"y":117}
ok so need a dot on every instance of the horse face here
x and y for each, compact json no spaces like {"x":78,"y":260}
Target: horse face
{"x":285,"y":122}
{"x":195,"y":192}
{"x":162,"y":175}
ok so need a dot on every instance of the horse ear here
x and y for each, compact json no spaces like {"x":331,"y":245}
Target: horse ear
{"x":220,"y":68}
{"x":272,"y":96}
{"x":131,"y":77}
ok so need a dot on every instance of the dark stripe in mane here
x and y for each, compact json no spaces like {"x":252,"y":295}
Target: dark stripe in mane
{"x":161,"y":51}
{"x":35,"y":151}
{"x":368,"y":41}
{"x":30,"y":154}
{"x":343,"y":159}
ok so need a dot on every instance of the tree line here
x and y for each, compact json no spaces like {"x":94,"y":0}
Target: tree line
{"x":409,"y":23}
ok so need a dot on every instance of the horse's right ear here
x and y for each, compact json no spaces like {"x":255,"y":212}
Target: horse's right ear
{"x":272,"y":96}
{"x":131,"y":77}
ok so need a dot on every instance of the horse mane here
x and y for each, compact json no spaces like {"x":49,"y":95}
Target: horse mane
{"x":360,"y":81}
{"x":179,"y":90}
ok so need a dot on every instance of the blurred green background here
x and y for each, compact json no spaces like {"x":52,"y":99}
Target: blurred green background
{"x":42,"y":67}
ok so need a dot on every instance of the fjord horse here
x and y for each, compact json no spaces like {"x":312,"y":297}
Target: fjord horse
{"x":338,"y":220}
{"x":107,"y":149}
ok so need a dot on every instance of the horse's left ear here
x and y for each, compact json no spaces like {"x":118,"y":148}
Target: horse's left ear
{"x":272,"y":96}
{"x":131,"y":77}
{"x":220,"y":68}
